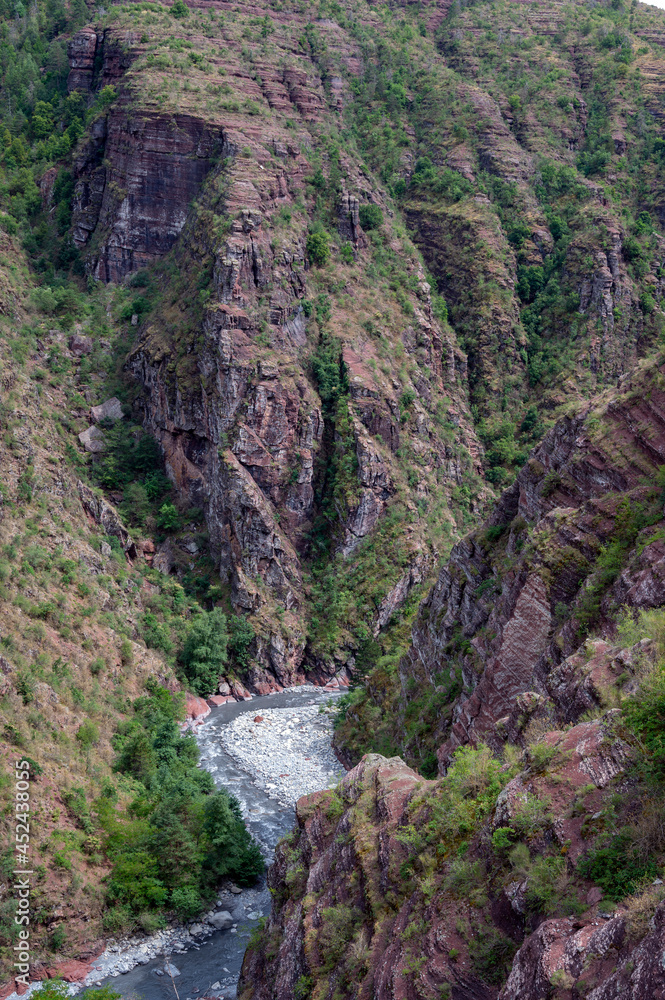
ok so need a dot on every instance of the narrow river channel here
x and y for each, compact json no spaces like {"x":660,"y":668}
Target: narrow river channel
{"x":212,"y":966}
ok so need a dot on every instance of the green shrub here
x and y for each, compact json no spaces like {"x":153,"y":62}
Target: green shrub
{"x":168,"y":518}
{"x":346,"y":254}
{"x":96,"y":666}
{"x":241,"y":637}
{"x":492,"y":953}
{"x":371,"y":217}
{"x":503,"y":839}
{"x":551,"y":482}
{"x":318,"y":248}
{"x":87,"y":734}
{"x":618,"y":867}
{"x":186,"y":902}
{"x":179,"y":9}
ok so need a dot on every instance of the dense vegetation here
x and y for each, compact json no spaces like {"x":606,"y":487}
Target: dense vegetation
{"x":179,"y":836}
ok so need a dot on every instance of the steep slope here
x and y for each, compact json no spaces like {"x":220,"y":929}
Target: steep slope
{"x":290,"y":398}
{"x":574,"y":540}
{"x":512,"y":154}
{"x":474,"y":886}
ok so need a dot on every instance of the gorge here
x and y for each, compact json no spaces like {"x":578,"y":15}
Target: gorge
{"x":332,"y":369}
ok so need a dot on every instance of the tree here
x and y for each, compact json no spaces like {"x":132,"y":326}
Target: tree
{"x":318,"y":248}
{"x":204,"y":652}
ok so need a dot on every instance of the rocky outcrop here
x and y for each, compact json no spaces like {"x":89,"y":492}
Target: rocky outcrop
{"x":135,"y":181}
{"x":512,"y":602}
{"x":104,"y":514}
{"x":364,"y":890}
{"x":81,"y":51}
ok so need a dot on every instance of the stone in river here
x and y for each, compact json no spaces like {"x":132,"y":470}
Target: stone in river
{"x":171,"y":970}
{"x":234,"y":889}
{"x":220,"y":921}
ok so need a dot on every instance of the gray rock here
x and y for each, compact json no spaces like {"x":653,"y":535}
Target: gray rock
{"x":164,"y":559}
{"x":93,"y":440}
{"x":234,"y":889}
{"x":79,"y":345}
{"x":111,"y":409}
{"x":171,"y":970}
{"x":221,"y":921}
{"x":196,"y":930}
{"x":103,"y":513}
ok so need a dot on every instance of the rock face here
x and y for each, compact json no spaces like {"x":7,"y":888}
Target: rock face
{"x":349,"y":908}
{"x":107,"y":516}
{"x":140,"y":198}
{"x":510,"y":630}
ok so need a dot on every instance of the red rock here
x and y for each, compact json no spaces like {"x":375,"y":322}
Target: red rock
{"x":71,"y":971}
{"x":258,"y":718}
{"x":81,"y":51}
{"x":196,"y":708}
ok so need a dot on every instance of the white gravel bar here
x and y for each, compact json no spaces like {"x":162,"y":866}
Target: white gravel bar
{"x":287,"y":753}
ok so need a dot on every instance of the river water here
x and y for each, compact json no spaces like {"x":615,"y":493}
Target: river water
{"x":212,"y":967}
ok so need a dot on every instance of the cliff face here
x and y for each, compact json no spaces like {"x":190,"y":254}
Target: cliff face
{"x":396,"y":887}
{"x":231,"y":142}
{"x":574,"y":540}
{"x":137,"y":204}
{"x":281,"y":464}
{"x":578,"y":537}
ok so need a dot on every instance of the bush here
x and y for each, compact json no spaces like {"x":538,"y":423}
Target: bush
{"x":503,"y":839}
{"x":179,"y":9}
{"x":318,"y":248}
{"x":371,"y":217}
{"x":241,"y":637}
{"x":204,"y":653}
{"x":168,"y":518}
{"x":186,"y":902}
{"x":617,"y":867}
{"x":492,"y":953}
{"x":87,"y":734}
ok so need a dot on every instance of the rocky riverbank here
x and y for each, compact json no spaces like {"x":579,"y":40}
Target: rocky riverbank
{"x":287,"y":751}
{"x":268,"y":757}
{"x":234,"y":906}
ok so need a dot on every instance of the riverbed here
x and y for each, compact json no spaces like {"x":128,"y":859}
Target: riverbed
{"x":267,"y":764}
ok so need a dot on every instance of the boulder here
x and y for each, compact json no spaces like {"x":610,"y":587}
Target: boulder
{"x":93,"y":440}
{"x":220,"y":921}
{"x":164,"y":558}
{"x":79,"y":344}
{"x":196,"y":709}
{"x":71,"y":971}
{"x":111,"y":409}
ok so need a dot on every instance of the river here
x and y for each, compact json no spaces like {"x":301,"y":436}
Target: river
{"x":212,"y":967}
